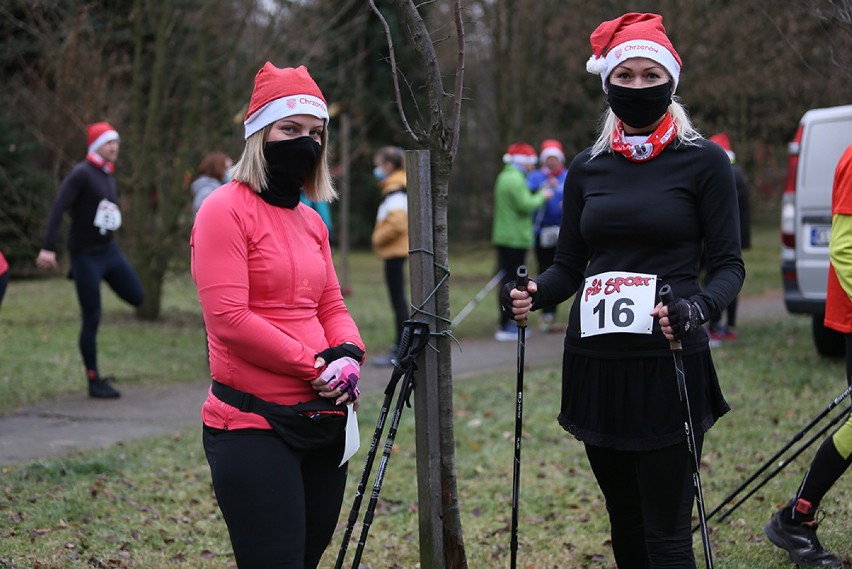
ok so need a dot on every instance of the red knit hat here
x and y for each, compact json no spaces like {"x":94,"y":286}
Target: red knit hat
{"x":280,"y":93}
{"x":722,"y":140}
{"x":632,"y":35}
{"x":551,"y":147}
{"x":98,"y":134}
{"x":520,"y":153}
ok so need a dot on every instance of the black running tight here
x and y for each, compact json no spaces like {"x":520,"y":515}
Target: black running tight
{"x":649,"y":498}
{"x":280,"y":505}
{"x":88,"y":270}
{"x":395,"y":280}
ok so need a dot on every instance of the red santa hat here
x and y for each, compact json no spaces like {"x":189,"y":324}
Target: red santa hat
{"x":520,"y":153}
{"x":632,"y":35}
{"x":549,"y":148}
{"x":98,"y":134}
{"x":280,"y":93}
{"x":722,"y":140}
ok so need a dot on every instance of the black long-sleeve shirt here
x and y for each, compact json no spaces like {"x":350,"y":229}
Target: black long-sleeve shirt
{"x":80,"y":193}
{"x":653,"y":217}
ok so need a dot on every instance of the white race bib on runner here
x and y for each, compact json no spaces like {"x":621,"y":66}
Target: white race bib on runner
{"x":618,"y":302}
{"x":108,"y":216}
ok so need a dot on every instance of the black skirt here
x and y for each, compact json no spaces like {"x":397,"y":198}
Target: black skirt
{"x":633,"y":403}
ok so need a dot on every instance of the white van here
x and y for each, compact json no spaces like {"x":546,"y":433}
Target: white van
{"x":815,"y":150}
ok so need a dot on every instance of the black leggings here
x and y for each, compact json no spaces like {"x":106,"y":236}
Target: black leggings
{"x":280,"y":505}
{"x":649,"y":497}
{"x":88,"y":270}
{"x":395,"y":279}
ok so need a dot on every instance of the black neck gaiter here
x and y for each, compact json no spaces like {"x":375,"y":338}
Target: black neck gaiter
{"x":287,"y":163}
{"x":639,"y":107}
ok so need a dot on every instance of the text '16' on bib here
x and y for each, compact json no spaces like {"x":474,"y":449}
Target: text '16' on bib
{"x":618,"y":302}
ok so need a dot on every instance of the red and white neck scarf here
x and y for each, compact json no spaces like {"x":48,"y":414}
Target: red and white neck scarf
{"x":659,"y":139}
{"x":98,"y":161}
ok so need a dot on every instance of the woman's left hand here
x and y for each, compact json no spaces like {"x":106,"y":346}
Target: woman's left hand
{"x":339,"y":381}
{"x":324,"y":390}
{"x":679,"y":318}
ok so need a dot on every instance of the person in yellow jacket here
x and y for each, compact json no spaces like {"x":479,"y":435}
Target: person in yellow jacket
{"x":390,"y":235}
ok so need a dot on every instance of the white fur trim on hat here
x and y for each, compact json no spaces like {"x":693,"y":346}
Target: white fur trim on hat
{"x":105,"y":137}
{"x":285,"y":107}
{"x":548,"y":152}
{"x":519,"y":159}
{"x":596,"y":65}
{"x":637,"y":48}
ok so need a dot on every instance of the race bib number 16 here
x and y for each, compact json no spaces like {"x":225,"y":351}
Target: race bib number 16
{"x":618,"y":302}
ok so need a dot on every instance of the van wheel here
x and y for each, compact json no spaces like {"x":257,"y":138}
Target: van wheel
{"x":829,"y":343}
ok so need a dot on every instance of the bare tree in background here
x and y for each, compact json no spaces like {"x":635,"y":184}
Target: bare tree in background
{"x":438,"y":131}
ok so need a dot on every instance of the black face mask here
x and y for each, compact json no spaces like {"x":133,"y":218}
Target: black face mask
{"x":639,"y":107}
{"x":288,"y":162}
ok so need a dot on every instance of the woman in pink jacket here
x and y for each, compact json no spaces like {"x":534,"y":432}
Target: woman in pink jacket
{"x":285,"y":353}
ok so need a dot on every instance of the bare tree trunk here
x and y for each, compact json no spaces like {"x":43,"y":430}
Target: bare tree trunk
{"x":441,"y":138}
{"x":454,"y":552}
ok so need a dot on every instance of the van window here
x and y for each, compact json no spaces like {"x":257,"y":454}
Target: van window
{"x":826,"y":143}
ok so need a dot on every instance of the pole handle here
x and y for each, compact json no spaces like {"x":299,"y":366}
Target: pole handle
{"x":666,"y":297}
{"x":522,"y":279}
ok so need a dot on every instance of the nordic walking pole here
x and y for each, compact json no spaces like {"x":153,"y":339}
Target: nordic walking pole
{"x":797,"y":437}
{"x":477,"y":299}
{"x":666,"y":297}
{"x":521,"y":284}
{"x":818,"y":436}
{"x":404,"y":345}
{"x":421,"y":332}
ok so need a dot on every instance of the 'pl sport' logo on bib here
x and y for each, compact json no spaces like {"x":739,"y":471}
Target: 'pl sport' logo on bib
{"x":619,"y":302}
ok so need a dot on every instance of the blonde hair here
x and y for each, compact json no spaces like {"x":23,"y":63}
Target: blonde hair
{"x":251,"y":170}
{"x":686,"y":131}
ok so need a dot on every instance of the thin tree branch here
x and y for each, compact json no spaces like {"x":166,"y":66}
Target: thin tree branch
{"x":789,"y":43}
{"x":455,"y":124}
{"x":422,"y":42}
{"x":396,"y":90}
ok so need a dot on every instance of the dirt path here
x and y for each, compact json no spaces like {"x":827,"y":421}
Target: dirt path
{"x":76,"y":422}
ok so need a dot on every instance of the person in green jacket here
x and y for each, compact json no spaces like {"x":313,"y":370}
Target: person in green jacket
{"x":512,"y":229}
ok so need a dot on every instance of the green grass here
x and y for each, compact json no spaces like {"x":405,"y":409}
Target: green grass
{"x":149,"y":504}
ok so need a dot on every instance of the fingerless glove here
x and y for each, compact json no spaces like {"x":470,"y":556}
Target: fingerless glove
{"x":345,"y":350}
{"x":685,"y":317}
{"x":343,"y":374}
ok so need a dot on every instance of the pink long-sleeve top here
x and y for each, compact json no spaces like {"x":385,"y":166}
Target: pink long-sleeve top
{"x":270,"y":298}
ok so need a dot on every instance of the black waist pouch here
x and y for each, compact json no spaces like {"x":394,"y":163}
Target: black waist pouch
{"x":313,"y":424}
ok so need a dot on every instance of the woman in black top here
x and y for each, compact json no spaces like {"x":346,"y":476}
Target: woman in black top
{"x":88,"y":193}
{"x":640,"y":205}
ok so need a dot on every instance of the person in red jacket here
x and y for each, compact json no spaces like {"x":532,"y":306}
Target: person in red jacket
{"x":4,"y":276}
{"x":284,"y":352}
{"x":793,"y":528}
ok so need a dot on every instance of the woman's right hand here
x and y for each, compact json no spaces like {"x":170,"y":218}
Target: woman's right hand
{"x":46,"y":259}
{"x":521,"y":301}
